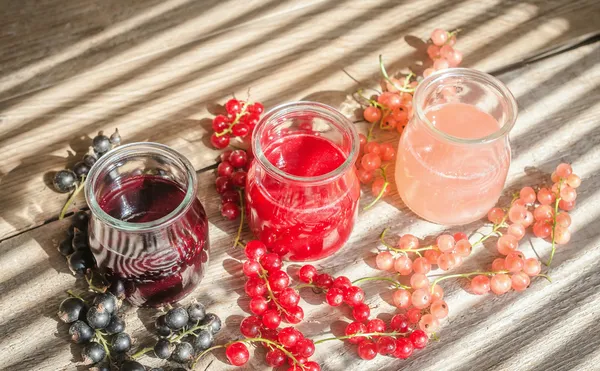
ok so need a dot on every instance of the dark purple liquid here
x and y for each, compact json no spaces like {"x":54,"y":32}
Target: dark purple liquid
{"x":161,"y":266}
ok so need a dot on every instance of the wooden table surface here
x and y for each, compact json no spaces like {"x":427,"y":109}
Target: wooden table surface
{"x":157,"y":69}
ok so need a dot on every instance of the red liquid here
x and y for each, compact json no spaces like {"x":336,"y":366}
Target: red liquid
{"x":159,"y":267}
{"x":309,"y":221}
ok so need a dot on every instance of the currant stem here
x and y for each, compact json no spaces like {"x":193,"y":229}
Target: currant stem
{"x":304,"y":285}
{"x":397,"y":284}
{"x":271,"y":294}
{"x":235,"y":121}
{"x":371,"y":101}
{"x":387,"y":78}
{"x":242,"y":212}
{"x":381,"y":238}
{"x":102,"y":340}
{"x":464,"y":275}
{"x":554,"y":225}
{"x":71,"y":293}
{"x":190,"y":331}
{"x":368,"y":334}
{"x":385,"y":185}
{"x":141,"y":352}
{"x":78,"y":189}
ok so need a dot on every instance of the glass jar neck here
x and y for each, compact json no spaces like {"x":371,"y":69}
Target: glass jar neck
{"x":294,"y":118}
{"x":468,"y":86}
{"x":134,"y":160}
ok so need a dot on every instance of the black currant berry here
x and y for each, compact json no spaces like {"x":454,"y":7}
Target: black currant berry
{"x":65,"y":248}
{"x":90,"y":159}
{"x":161,"y":326}
{"x":81,"y":169}
{"x":80,"y":220}
{"x":102,"y":367}
{"x":204,"y":340}
{"x":80,"y":240}
{"x":101,"y":144}
{"x":92,"y":353}
{"x":80,"y":332}
{"x":117,"y":288}
{"x":183,"y":352}
{"x":120,"y":343}
{"x":80,"y":261}
{"x":176,"y":318}
{"x":132,"y":366}
{"x":70,"y":309}
{"x":65,"y":181}
{"x":196,"y":312}
{"x":163,"y":348}
{"x":115,"y":325}
{"x":115,"y":138}
{"x":98,"y":317}
{"x":107,"y":301}
{"x":212,"y":321}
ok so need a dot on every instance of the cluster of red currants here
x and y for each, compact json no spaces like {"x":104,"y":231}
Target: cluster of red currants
{"x":442,"y":52}
{"x":231,"y":180}
{"x":271,"y":301}
{"x":240,"y":120}
{"x":369,"y":334}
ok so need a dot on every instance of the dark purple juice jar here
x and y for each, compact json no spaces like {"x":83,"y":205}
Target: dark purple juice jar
{"x":147,"y":226}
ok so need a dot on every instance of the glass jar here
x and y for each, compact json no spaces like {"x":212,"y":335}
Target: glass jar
{"x":302,"y":190}
{"x":454,"y":154}
{"x":147,"y":226}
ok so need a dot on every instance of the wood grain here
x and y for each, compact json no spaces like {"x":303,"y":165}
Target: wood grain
{"x":551,"y":326}
{"x":157,"y":70}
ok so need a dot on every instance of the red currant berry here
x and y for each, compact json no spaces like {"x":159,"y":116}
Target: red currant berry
{"x":271,"y":262}
{"x":223,"y":184}
{"x":258,"y":305}
{"x":257,"y":108}
{"x":250,"y":326}
{"x":354,"y":296}
{"x":224,"y":169}
{"x":294,"y":315}
{"x":305,"y":348}
{"x":239,"y":179}
{"x":219,"y":142}
{"x":353,"y":329}
{"x":238,"y":158}
{"x":240,"y":129}
{"x":375,"y":325}
{"x":255,"y":249}
{"x":230,"y":210}
{"x":413,"y":315}
{"x":386,"y":345}
{"x":251,"y":268}
{"x":334,"y":297}
{"x":361,"y":312}
{"x":230,"y":196}
{"x":220,"y":123}
{"x":288,"y":337}
{"x":271,"y":319}
{"x":278,"y":280}
{"x":419,"y":339}
{"x":342,"y":283}
{"x":289,"y":298}
{"x":460,"y":236}
{"x":307,"y":273}
{"x":275,"y":358}
{"x":255,"y":287}
{"x":312,"y":366}
{"x":225,"y":155}
{"x":233,"y":106}
{"x":324,"y":280}
{"x":404,"y":348}
{"x":252,"y":120}
{"x":237,"y":354}
{"x":367,"y":350}
{"x":399,"y":323}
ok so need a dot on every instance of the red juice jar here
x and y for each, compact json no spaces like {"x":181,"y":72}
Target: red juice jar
{"x":147,"y":226}
{"x":302,"y":190}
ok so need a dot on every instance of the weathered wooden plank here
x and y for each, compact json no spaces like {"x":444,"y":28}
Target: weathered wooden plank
{"x":548,"y":327}
{"x":155,"y":69}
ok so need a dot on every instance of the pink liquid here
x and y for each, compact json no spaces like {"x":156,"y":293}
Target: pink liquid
{"x":308,"y":221}
{"x":447,"y":182}
{"x":162,"y":267}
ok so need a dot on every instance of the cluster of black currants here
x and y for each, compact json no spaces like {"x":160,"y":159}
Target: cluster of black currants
{"x":75,"y":247}
{"x":66,"y":180}
{"x":183,"y":332}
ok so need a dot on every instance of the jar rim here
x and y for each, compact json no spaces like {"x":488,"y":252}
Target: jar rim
{"x":479,"y":76}
{"x":128,"y":150}
{"x":305,"y":106}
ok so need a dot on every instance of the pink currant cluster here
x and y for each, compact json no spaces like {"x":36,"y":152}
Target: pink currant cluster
{"x":239,"y":121}
{"x":371,"y":160}
{"x":271,"y":301}
{"x":442,"y":52}
{"x":231,"y":180}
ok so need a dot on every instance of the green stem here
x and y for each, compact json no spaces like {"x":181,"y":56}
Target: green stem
{"x":242,"y":213}
{"x":381,"y":238}
{"x":497,"y":226}
{"x":92,"y":286}
{"x":190,"y":331}
{"x":78,"y":189}
{"x":235,"y":121}
{"x":304,"y":285}
{"x":464,"y":275}
{"x":397,"y":284}
{"x":554,"y":225}
{"x":385,"y":185}
{"x":102,"y":341}
{"x":271,"y":294}
{"x":387,"y":78}
{"x":371,"y":101}
{"x":71,"y":293}
{"x":141,"y":352}
{"x":368,"y":334}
